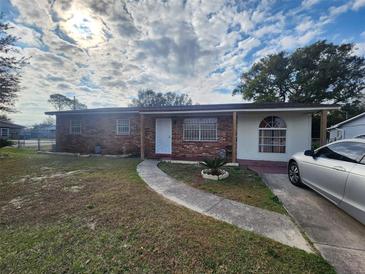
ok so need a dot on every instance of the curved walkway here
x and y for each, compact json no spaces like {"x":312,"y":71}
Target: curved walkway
{"x":269,"y":224}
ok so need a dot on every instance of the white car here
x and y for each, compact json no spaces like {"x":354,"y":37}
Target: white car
{"x":336,"y":171}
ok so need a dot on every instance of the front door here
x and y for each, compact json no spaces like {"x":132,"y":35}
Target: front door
{"x":163,"y":135}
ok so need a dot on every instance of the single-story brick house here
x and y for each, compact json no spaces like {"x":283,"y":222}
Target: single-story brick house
{"x":249,"y":131}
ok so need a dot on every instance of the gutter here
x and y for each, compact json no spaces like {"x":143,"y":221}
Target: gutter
{"x":196,"y":111}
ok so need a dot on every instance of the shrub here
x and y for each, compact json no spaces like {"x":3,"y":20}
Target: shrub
{"x":5,"y":143}
{"x":214,"y":165}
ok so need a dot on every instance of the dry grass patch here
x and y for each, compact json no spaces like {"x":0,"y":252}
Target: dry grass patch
{"x":115,"y":223}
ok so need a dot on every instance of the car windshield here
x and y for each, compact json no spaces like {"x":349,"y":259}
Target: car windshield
{"x":343,"y":151}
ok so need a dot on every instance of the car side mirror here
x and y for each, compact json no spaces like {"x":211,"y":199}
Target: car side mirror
{"x":309,"y":152}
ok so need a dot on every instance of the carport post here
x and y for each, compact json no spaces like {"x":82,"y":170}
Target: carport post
{"x":323,"y":129}
{"x":141,"y":124}
{"x":234,"y":137}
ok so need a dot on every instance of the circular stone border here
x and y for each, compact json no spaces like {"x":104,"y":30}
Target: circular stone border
{"x":214,"y":177}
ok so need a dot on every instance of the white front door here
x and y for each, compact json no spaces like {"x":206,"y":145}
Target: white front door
{"x":163,"y":136}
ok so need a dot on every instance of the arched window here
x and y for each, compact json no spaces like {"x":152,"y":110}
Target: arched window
{"x":272,"y":135}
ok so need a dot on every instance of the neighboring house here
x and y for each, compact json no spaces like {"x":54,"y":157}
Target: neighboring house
{"x":43,"y":132}
{"x":9,"y":130}
{"x":271,"y":131}
{"x":350,"y":128}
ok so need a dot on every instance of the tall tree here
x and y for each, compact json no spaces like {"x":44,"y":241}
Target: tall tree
{"x":150,"y":98}
{"x":10,"y":67}
{"x":4,"y":117}
{"x":321,"y":72}
{"x":61,"y":102}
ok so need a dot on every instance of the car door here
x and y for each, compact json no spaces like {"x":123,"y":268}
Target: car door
{"x":354,"y":199}
{"x":328,"y":170}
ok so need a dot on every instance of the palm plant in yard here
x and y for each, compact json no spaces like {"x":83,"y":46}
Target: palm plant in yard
{"x":214,"y":165}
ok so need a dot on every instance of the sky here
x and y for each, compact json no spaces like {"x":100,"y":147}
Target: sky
{"x":104,"y":51}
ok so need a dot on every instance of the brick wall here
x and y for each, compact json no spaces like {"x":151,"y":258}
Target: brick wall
{"x":101,"y":129}
{"x":200,"y":149}
{"x":98,"y":129}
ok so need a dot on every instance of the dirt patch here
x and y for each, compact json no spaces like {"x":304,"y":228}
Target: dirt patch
{"x":73,"y":189}
{"x":58,"y":175}
{"x":17,"y":202}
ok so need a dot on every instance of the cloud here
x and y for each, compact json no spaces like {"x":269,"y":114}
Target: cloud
{"x":357,"y":4}
{"x":309,"y":3}
{"x":104,"y":51}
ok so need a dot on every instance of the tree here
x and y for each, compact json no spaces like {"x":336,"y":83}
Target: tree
{"x":150,"y":98}
{"x":321,"y":72}
{"x":4,"y":117}
{"x":10,"y":66}
{"x":76,"y":104}
{"x":61,"y":102}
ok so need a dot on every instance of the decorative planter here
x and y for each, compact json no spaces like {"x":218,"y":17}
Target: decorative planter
{"x":205,"y":174}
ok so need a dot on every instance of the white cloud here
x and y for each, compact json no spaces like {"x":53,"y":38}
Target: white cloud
{"x":357,"y":4}
{"x":360,"y":49}
{"x":105,"y":51}
{"x":309,"y":3}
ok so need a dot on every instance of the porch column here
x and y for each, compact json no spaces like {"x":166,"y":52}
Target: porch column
{"x":234,"y":137}
{"x":323,"y":128}
{"x":141,"y":124}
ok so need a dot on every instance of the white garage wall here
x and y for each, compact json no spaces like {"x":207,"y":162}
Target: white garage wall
{"x":298,"y":135}
{"x":354,"y":128}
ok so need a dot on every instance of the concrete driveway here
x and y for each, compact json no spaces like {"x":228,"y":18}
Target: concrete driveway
{"x":339,"y":237}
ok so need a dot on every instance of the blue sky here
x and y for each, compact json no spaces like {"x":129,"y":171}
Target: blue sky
{"x":104,"y":51}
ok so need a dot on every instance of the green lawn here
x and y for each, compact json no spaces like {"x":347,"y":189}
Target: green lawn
{"x":242,"y":185}
{"x":62,"y":214}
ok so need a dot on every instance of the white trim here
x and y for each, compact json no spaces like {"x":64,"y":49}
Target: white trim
{"x":240,"y":110}
{"x":74,"y":133}
{"x":195,"y":111}
{"x":129,"y":127}
{"x":92,"y":112}
{"x":200,"y":130}
{"x":274,"y":137}
{"x":346,"y":121}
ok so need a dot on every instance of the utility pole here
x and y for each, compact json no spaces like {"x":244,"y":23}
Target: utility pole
{"x":74,"y":102}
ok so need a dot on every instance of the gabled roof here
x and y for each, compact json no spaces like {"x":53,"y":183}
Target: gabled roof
{"x":207,"y":108}
{"x":347,"y":121}
{"x":7,"y":124}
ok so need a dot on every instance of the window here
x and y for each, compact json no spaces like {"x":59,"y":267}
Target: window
{"x":123,"y":127}
{"x":272,"y":135}
{"x":200,"y":129}
{"x":4,"y":132}
{"x":75,"y":127}
{"x":344,"y":151}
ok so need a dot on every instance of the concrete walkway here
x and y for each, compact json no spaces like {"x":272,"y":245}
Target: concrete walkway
{"x":266,"y":223}
{"x":339,"y":237}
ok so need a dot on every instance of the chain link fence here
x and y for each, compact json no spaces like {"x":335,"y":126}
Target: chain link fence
{"x":36,"y":144}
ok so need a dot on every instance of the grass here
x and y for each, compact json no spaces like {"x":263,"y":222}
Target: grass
{"x":103,"y":218}
{"x":242,"y":185}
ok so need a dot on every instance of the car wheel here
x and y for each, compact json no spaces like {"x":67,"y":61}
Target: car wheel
{"x":294,"y":174}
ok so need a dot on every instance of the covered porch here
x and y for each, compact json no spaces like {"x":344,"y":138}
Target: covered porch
{"x":165,"y":135}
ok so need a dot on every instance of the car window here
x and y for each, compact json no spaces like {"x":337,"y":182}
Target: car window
{"x":344,"y":151}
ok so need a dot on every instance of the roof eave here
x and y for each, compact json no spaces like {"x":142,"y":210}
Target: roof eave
{"x":315,"y":109}
{"x":346,"y":121}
